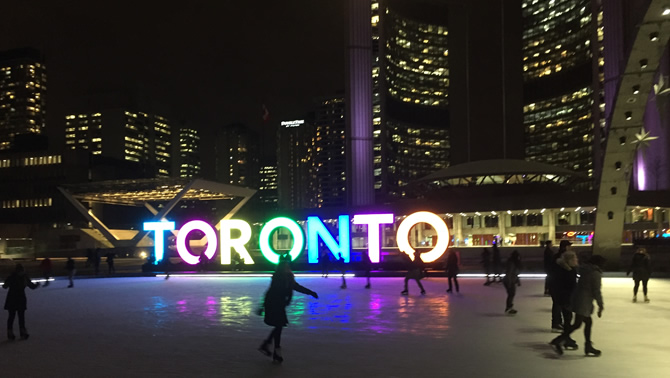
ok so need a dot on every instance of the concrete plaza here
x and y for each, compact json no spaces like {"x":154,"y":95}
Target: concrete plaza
{"x":206,"y":327}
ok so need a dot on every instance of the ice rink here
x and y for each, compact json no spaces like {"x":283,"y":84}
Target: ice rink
{"x":206,"y":327}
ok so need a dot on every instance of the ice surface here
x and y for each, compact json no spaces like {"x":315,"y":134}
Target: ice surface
{"x":206,"y":327}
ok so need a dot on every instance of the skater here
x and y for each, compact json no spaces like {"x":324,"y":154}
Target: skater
{"x":563,"y":284}
{"x":414,"y":272}
{"x":96,"y":261}
{"x":497,"y":263}
{"x":110,"y":263}
{"x":339,"y":263}
{"x":548,"y":261}
{"x":16,"y":300}
{"x":46,"y":270}
{"x":511,"y":280}
{"x":486,"y":265}
{"x":641,"y":268}
{"x":277,"y":298}
{"x":324,"y":260}
{"x":451,"y":268}
{"x":557,"y":320}
{"x":367,"y":267}
{"x":71,"y":271}
{"x":588,"y":290}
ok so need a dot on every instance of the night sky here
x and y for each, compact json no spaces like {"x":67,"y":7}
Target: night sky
{"x":209,"y":62}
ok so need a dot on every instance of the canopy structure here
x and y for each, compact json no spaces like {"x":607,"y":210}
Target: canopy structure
{"x":141,"y":192}
{"x":503,"y":171}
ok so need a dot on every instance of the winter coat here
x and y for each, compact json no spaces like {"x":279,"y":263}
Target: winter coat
{"x":563,"y":282}
{"x":588,"y":290}
{"x":451,"y":267}
{"x":548,"y":260}
{"x":279,"y":296}
{"x":640,"y":266}
{"x":16,"y":297}
{"x":512,"y":269}
{"x":415,"y":268}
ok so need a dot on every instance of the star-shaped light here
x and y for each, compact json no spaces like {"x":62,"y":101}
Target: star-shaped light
{"x":643,"y":138}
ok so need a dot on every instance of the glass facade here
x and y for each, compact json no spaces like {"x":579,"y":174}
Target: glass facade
{"x":189,"y":153}
{"x":329,"y":152}
{"x":23,"y":81}
{"x":410,"y":77}
{"x":563,"y":80}
{"x":237,"y":161}
{"x":144,"y":138}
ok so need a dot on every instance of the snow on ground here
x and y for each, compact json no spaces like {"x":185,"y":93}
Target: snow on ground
{"x":205,"y":327}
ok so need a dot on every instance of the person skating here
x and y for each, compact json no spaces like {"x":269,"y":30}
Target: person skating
{"x":16,"y":301}
{"x":277,"y":297}
{"x":486,"y":265}
{"x":46,"y":270}
{"x":367,"y":267}
{"x":110,"y":263}
{"x":451,"y":268}
{"x":588,"y":290}
{"x":324,"y":260}
{"x":641,"y":268}
{"x":496,"y":263}
{"x":71,"y":271}
{"x":548,"y":262}
{"x":557,"y":320}
{"x":563,"y":284}
{"x":511,"y":280}
{"x":415,"y":269}
{"x":339,"y":263}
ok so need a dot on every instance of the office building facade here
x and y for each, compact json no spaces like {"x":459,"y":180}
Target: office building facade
{"x":23,"y":86}
{"x":237,"y":155}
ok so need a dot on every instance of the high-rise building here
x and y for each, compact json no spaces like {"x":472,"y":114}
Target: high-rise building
{"x":410,"y":85}
{"x":564,"y":101}
{"x":23,"y":81}
{"x":122,"y":134}
{"x":329,"y":152}
{"x":237,"y":155}
{"x":188,"y":153}
{"x":295,"y":164}
{"x":267,"y":190}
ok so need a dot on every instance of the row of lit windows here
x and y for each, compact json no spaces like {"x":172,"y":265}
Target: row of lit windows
{"x":22,"y":203}
{"x":32,"y":161}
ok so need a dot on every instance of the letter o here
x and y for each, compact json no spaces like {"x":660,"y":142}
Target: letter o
{"x":402,"y":236}
{"x":295,"y":230}
{"x":182,"y":248}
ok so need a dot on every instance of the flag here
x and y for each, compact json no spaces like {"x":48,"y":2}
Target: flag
{"x":266,"y":114}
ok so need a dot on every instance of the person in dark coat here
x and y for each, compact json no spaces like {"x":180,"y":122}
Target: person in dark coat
{"x":46,"y":270}
{"x":451,"y":268}
{"x":96,"y":261}
{"x":486,"y":265}
{"x":324,"y":260}
{"x":557,"y":320}
{"x":563,"y":284}
{"x":497,"y":263}
{"x":588,"y":290}
{"x":415,"y":270}
{"x":277,"y":297}
{"x":641,"y":268}
{"x":16,"y":301}
{"x":71,"y":271}
{"x":367,"y":267}
{"x":548,"y":261}
{"x":511,"y":280}
{"x":110,"y":263}
{"x":341,"y":265}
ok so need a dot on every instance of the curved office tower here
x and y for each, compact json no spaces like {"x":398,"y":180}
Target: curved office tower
{"x":410,"y":93}
{"x":563,"y":84}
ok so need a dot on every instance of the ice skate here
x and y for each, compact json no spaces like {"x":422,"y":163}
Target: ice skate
{"x":510,"y":311}
{"x":10,"y":334}
{"x":367,"y":286}
{"x":646,"y":299}
{"x":571,"y":344}
{"x":634,"y":298}
{"x":404,"y":292}
{"x":423,"y":292}
{"x":24,"y":334}
{"x":556,"y":345}
{"x":590,"y":350}
{"x":264,"y":348}
{"x":276,"y":357}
